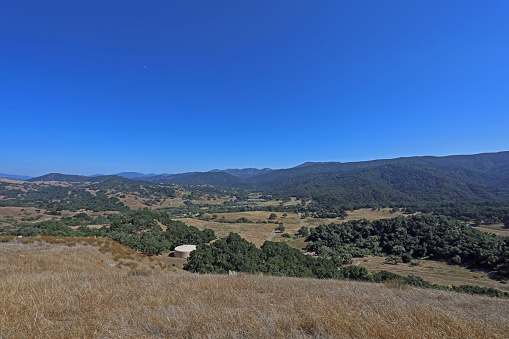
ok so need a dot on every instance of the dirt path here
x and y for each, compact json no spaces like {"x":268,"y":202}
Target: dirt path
{"x":272,"y":235}
{"x":494,"y":231}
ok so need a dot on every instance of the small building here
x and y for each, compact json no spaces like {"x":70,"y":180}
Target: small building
{"x":183,"y":251}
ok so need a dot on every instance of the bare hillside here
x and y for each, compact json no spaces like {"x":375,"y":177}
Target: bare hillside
{"x":91,"y":288}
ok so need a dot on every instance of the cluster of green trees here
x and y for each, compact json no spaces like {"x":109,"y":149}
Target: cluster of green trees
{"x":435,"y":237}
{"x":140,"y":230}
{"x":487,"y":212}
{"x":57,"y":198}
{"x":235,"y":254}
{"x":82,"y":219}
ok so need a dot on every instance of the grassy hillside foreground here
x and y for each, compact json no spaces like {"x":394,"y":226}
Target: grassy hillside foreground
{"x":103,"y":290}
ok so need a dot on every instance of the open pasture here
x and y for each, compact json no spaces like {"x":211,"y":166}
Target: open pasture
{"x":434,"y":271}
{"x":255,"y":233}
{"x":363,"y":213}
{"x":10,"y":215}
{"x":497,"y":229}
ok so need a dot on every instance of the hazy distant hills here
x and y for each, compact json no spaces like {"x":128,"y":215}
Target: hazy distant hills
{"x":61,"y":177}
{"x":75,"y":178}
{"x":136,"y":175}
{"x":245,"y":172}
{"x":220,"y":179}
{"x":14,"y":176}
{"x":479,"y":177}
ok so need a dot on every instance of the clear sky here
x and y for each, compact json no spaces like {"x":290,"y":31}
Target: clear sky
{"x":171,"y":86}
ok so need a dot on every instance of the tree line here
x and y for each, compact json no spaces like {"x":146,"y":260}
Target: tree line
{"x":235,"y":254}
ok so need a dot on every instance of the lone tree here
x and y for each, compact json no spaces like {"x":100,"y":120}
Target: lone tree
{"x":273,"y":216}
{"x":280,"y":228}
{"x":303,"y":231}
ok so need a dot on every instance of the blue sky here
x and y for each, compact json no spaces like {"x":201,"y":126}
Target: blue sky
{"x":171,"y":86}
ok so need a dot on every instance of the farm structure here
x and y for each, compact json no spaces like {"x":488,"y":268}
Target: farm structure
{"x":183,"y":251}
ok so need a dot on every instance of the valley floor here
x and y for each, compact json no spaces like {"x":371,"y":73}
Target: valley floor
{"x":61,"y":291}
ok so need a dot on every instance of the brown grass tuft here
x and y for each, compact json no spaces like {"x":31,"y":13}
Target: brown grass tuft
{"x":6,"y":238}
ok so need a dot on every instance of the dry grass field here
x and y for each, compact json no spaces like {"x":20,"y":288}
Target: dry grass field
{"x":253,"y":232}
{"x":497,"y":229}
{"x":61,"y":291}
{"x":364,"y":213}
{"x":434,"y":272}
{"x":132,"y":201}
{"x":9,"y":215}
{"x":10,"y":181}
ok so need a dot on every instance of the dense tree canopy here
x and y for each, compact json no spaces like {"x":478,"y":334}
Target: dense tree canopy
{"x":140,"y":230}
{"x":436,"y":237}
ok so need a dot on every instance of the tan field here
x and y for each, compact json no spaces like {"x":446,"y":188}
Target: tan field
{"x":60,"y":291}
{"x":8,"y":215}
{"x":435,"y":272}
{"x":11,"y":215}
{"x":132,"y":201}
{"x":11,"y":181}
{"x":253,"y":232}
{"x":364,"y":213}
{"x":497,"y":229}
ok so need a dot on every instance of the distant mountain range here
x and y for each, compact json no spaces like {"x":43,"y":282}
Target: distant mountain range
{"x":130,"y":175}
{"x":163,"y":178}
{"x":478,"y":177}
{"x":245,"y":172}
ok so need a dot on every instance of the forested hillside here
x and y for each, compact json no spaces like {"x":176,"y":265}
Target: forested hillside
{"x":387,"y":182}
{"x":386,"y":185}
{"x":400,"y":181}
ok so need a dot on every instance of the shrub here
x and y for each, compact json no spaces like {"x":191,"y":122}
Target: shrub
{"x":406,"y":258}
{"x":359,"y":273}
{"x":393,"y":259}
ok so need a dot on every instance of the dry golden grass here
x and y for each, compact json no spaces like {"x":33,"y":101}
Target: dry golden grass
{"x":17,"y":213}
{"x":495,"y":229}
{"x":132,"y":201}
{"x":434,"y":272}
{"x":57,"y":291}
{"x":11,"y":181}
{"x":253,"y":232}
{"x":363,"y":213}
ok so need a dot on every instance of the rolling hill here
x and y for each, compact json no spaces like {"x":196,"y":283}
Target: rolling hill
{"x":92,"y":287}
